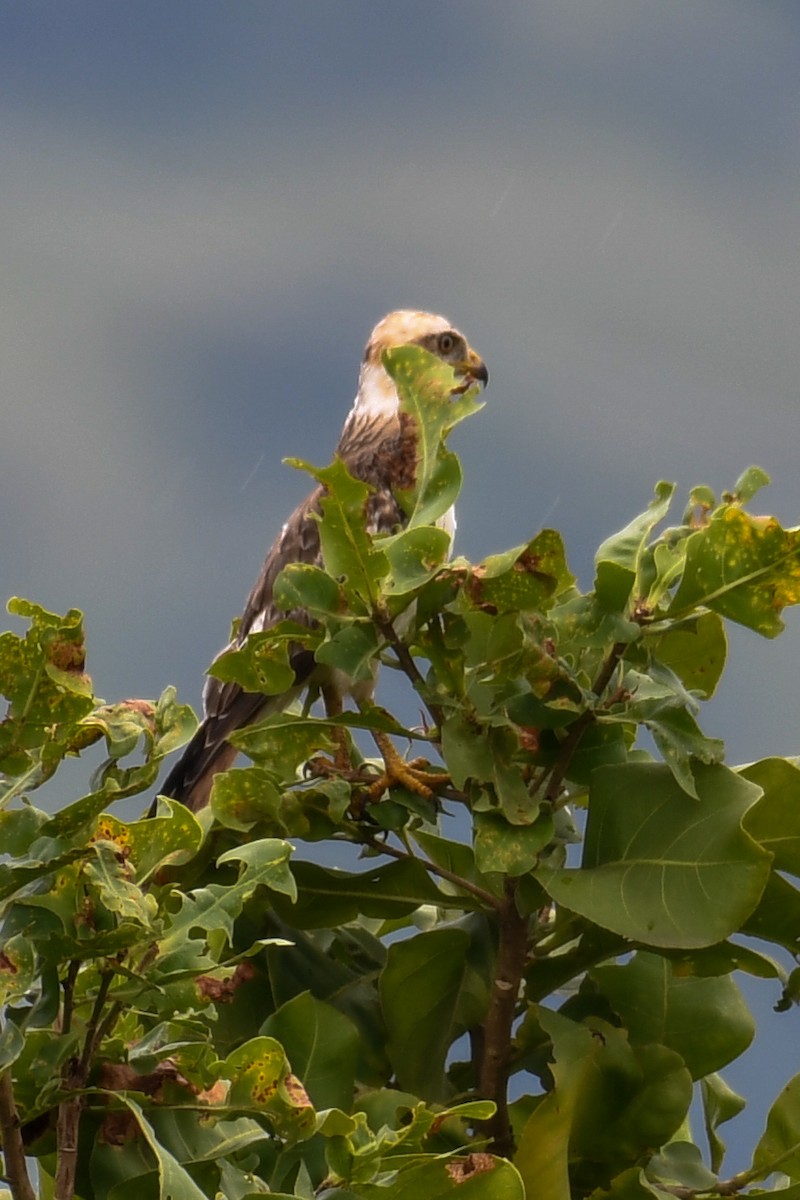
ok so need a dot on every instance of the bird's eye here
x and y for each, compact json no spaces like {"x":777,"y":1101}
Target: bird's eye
{"x":446,"y":343}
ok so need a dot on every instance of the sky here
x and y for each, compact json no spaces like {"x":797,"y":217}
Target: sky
{"x":206,"y":208}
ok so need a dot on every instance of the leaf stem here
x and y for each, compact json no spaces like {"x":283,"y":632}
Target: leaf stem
{"x":16,"y":1171}
{"x":480,"y":893}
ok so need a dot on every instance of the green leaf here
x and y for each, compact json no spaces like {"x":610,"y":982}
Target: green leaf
{"x":430,"y":407}
{"x":778,"y":1148}
{"x":720,"y":1104}
{"x":261,"y":1079}
{"x":473,"y":1177}
{"x":263,"y":663}
{"x":431,"y":968}
{"x":214,"y":908}
{"x":307,"y":587}
{"x":634,"y":1098}
{"x":42,"y":676}
{"x":745,"y":568}
{"x":328,"y":897}
{"x":542,"y":1157}
{"x":774,"y":820}
{"x":705,"y":1020}
{"x":348,"y":551}
{"x":283,"y":742}
{"x":173,"y":1179}
{"x":681,"y":1163}
{"x":659,"y":867}
{"x":322,"y":1047}
{"x":510,"y":849}
{"x":527,"y":578}
{"x":752,"y":480}
{"x":415,"y":556}
{"x":776,"y":917}
{"x":618,"y":559}
{"x":353,"y":649}
{"x":696,"y":652}
{"x":248,"y":797}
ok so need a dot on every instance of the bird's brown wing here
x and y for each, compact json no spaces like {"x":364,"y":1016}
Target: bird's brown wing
{"x":227,"y":705}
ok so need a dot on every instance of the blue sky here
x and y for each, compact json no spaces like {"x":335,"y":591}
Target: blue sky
{"x":207,"y":206}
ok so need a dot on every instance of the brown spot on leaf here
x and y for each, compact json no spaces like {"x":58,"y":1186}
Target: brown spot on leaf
{"x":6,"y":964}
{"x":462,"y":1169}
{"x":528,"y":736}
{"x":222,"y":991}
{"x":67,"y":656}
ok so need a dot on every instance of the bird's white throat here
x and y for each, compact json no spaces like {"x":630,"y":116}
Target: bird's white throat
{"x":377,"y":395}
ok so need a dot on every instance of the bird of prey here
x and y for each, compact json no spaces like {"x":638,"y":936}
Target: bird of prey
{"x":373,"y":450}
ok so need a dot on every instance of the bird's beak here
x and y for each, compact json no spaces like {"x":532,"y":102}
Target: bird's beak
{"x":473,"y":368}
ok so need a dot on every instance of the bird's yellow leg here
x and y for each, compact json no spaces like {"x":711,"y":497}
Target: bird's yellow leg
{"x":342,"y":759}
{"x":414,"y":775}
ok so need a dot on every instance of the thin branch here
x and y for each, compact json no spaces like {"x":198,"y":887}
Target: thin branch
{"x":577,"y":729}
{"x":69,"y":994}
{"x":16,"y":1170}
{"x":497,"y":1028}
{"x":93,"y":1034}
{"x":465,"y":884}
{"x":408,"y":665}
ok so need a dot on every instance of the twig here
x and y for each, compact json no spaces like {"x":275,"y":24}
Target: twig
{"x":69,"y":994}
{"x":465,"y":884}
{"x":497,"y":1028}
{"x":407,"y":664}
{"x":93,"y":1034}
{"x":16,"y":1170}
{"x":560,"y":767}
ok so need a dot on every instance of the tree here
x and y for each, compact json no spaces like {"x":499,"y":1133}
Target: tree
{"x":192,"y":1007}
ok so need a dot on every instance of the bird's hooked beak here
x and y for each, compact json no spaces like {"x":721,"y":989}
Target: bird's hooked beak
{"x":473,"y":369}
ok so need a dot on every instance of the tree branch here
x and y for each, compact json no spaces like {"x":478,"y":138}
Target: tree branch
{"x":16,"y":1170}
{"x":75,"y":1077}
{"x":497,"y":1028}
{"x":486,"y":897}
{"x":407,"y":664}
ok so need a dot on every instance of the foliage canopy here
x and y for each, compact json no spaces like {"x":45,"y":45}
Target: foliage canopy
{"x":193,"y":1007}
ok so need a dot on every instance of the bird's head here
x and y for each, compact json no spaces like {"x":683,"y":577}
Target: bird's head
{"x":407,"y":327}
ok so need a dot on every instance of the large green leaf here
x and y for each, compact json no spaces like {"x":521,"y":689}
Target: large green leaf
{"x":432,"y":968}
{"x":322,"y":1047}
{"x":543,"y":1156}
{"x":704,"y":1019}
{"x":173,"y":1179}
{"x":659,"y":867}
{"x":746,"y":568}
{"x":328,"y":897}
